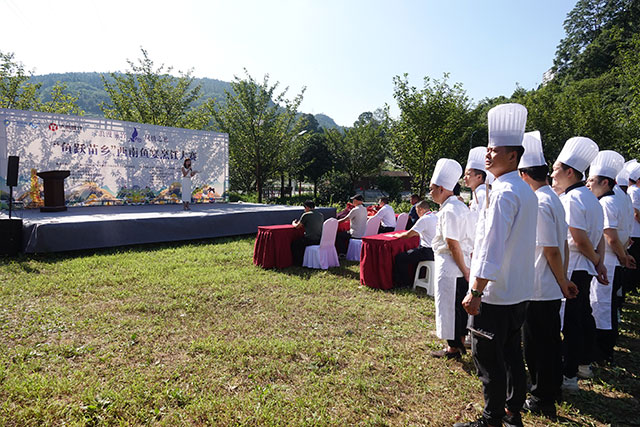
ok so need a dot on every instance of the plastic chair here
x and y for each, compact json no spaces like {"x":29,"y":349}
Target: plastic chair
{"x":401,"y":221}
{"x":323,"y":255}
{"x":353,"y":251}
{"x":428,"y":281}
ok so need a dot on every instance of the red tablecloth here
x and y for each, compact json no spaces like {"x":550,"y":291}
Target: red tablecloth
{"x":273,"y":245}
{"x":344,"y":226}
{"x":377,"y":257}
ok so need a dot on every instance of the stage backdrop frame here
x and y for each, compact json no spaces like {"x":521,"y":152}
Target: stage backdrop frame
{"x":111,"y":161}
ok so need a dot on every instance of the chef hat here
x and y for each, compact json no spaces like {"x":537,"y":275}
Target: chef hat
{"x":633,"y":167}
{"x":506,"y":125}
{"x":578,"y":152}
{"x":476,"y":158}
{"x":533,"y":155}
{"x":447,"y":173}
{"x":607,"y":163}
{"x":623,"y":177}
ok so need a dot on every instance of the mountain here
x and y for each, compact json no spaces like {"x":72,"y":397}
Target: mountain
{"x":90,"y":90}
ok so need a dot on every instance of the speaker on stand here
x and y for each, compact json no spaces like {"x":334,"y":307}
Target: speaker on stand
{"x":11,"y":229}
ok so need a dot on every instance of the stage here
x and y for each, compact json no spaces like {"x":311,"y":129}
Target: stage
{"x":108,"y":226}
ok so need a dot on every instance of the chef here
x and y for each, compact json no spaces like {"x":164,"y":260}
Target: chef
{"x":451,"y":245}
{"x":601,"y":182}
{"x":475,"y":176}
{"x":633,"y":191}
{"x":541,"y":329}
{"x":503,"y":272}
{"x":586,"y":249}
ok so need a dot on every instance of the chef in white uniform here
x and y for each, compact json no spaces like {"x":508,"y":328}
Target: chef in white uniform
{"x":503,"y":272}
{"x":633,"y":278}
{"x":586,"y":250}
{"x":541,"y":329}
{"x":451,"y":245}
{"x":601,"y":182}
{"x":475,"y":176}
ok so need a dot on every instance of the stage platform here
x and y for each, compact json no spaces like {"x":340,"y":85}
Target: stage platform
{"x":109,"y":226}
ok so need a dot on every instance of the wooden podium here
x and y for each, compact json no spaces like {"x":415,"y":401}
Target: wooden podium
{"x":53,"y":190}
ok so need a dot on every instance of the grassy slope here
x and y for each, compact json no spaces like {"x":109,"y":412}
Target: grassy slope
{"x":195,"y":334}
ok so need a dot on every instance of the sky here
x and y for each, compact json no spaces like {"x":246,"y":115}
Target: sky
{"x":344,"y":52}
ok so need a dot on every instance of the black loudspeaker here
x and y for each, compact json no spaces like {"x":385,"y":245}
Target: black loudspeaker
{"x":12,"y":171}
{"x":10,"y":236}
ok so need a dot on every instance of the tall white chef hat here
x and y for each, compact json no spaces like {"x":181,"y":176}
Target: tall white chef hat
{"x":446,"y":173}
{"x":533,"y":155}
{"x":476,"y":158}
{"x":607,"y":163}
{"x":633,"y":167}
{"x":506,"y":125}
{"x":578,"y":152}
{"x":623,"y":177}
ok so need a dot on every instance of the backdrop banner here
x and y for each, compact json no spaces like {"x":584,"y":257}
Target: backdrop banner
{"x":111,"y":161}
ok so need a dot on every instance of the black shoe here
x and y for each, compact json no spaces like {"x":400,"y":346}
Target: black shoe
{"x":513,"y":420}
{"x":445,"y":354}
{"x":537,"y":407}
{"x":480,"y":422}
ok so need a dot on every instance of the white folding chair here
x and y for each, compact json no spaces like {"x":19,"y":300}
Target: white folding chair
{"x":353,"y":251}
{"x":401,"y":221}
{"x":323,"y":255}
{"x":428,"y":281}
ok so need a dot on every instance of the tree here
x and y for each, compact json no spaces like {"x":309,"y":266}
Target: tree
{"x":260,"y":123}
{"x":316,"y":159}
{"x":433,"y":123}
{"x":151,"y":95}
{"x":17,"y":92}
{"x":361,"y":150}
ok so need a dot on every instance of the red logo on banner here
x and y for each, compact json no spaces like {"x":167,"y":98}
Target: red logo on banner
{"x":53,"y":127}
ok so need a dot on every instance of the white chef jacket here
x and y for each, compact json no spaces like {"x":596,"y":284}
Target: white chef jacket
{"x":358,"y":220}
{"x":551,"y":232}
{"x":626,"y":215}
{"x":425,"y":226}
{"x":453,"y":223}
{"x":634,"y":192}
{"x":479,"y":200}
{"x":387,"y":216}
{"x":582,"y":211}
{"x":506,"y":241}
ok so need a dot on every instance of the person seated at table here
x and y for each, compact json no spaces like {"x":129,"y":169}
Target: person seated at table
{"x":312,"y":221}
{"x":358,"y":221}
{"x":387,"y":216}
{"x":413,"y":215}
{"x":425,"y":228}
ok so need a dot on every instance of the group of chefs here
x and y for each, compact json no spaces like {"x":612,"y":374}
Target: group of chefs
{"x":536,"y":259}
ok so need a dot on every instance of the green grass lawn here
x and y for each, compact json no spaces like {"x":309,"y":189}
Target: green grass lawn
{"x":196,"y":334}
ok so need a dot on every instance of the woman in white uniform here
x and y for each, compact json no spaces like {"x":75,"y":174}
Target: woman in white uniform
{"x":452,"y":248}
{"x":187,"y":173}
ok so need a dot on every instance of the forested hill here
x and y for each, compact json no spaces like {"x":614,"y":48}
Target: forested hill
{"x":90,"y":91}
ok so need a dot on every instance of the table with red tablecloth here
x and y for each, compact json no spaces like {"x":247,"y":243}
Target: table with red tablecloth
{"x":273,"y":245}
{"x":377,"y":256}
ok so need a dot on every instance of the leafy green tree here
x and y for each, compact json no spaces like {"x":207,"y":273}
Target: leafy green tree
{"x":390,"y":185}
{"x":17,"y":92}
{"x":260,"y":123}
{"x":361,"y":150}
{"x":146,"y":94}
{"x":316,"y":159}
{"x":433,"y":123}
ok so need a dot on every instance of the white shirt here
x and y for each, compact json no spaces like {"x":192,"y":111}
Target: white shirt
{"x":611,"y":212}
{"x":634,"y":192}
{"x":506,"y":242}
{"x":453,"y":223}
{"x":582,"y":211}
{"x":479,"y":200}
{"x":626,"y":216}
{"x":358,"y":219}
{"x":551,"y":232}
{"x":425,"y":226}
{"x":387,"y":216}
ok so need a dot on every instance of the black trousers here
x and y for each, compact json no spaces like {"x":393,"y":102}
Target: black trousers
{"x":298,"y":246}
{"x":405,"y":260}
{"x":606,"y":339}
{"x":543,"y":349}
{"x":499,"y":360}
{"x":342,"y":241}
{"x":579,"y":327}
{"x":632,"y":277}
{"x":460,"y":328}
{"x":382,"y":229}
